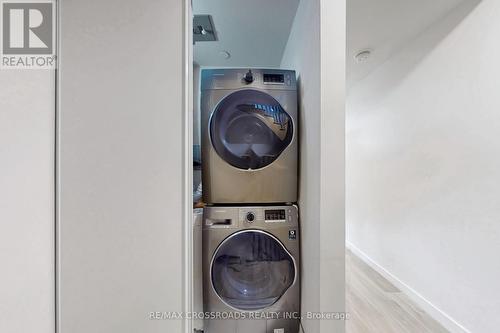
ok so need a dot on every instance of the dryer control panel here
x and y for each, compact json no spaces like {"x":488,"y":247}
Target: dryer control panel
{"x":237,"y":78}
{"x":274,"y":78}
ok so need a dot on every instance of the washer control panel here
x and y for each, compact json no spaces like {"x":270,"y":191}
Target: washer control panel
{"x":275,"y":215}
{"x":258,"y":216}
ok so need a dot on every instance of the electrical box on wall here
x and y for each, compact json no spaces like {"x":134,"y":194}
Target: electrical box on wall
{"x":203,"y":29}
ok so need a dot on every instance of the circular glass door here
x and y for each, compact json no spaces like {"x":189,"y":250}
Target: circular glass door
{"x":249,"y":129}
{"x":251,"y":270}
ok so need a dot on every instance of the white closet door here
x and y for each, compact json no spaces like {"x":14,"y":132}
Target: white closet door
{"x":121,"y":165}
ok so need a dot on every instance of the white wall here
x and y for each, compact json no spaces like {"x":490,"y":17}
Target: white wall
{"x":121,"y":179}
{"x":196,"y":124}
{"x":27,"y":120}
{"x":332,"y":157}
{"x":321,"y":191}
{"x":196,"y":105}
{"x":423,"y":168}
{"x":305,"y":36}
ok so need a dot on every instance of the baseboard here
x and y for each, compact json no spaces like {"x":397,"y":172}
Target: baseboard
{"x":440,"y":316}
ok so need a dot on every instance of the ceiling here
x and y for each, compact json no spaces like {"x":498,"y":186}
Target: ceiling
{"x":254,"y":32}
{"x":385,"y":26}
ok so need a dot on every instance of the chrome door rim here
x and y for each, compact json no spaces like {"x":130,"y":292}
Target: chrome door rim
{"x":252,"y":231}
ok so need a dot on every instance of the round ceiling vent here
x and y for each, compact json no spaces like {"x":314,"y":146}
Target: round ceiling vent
{"x":225,"y":54}
{"x":363,"y":56}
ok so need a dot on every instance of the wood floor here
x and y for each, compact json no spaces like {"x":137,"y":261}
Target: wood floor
{"x":376,"y":306}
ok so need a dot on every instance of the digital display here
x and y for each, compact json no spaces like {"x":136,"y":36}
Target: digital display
{"x":274,"y":78}
{"x":275,"y":215}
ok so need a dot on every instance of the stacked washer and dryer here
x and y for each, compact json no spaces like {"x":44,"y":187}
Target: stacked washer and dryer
{"x":250,"y":231}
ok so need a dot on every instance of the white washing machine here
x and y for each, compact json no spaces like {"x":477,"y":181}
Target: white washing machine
{"x":249,"y":130}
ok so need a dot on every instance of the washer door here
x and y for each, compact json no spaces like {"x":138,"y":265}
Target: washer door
{"x":249,"y":129}
{"x":251,"y":270}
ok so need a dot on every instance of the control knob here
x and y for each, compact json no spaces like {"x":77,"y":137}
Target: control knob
{"x":249,"y":77}
{"x":250,"y":217}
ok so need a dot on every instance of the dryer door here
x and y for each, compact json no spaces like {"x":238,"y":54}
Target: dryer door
{"x":249,"y":129}
{"x":251,"y":270}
